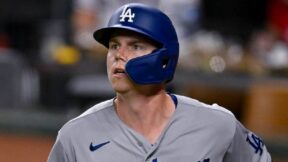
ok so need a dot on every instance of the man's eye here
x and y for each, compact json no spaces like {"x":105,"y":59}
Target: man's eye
{"x":113,"y":46}
{"x":137,"y":47}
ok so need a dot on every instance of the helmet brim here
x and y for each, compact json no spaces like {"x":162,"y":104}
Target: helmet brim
{"x":104,"y":35}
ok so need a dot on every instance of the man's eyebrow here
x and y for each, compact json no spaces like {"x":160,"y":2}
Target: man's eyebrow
{"x":134,"y":41}
{"x":113,"y":40}
{"x":130,"y":41}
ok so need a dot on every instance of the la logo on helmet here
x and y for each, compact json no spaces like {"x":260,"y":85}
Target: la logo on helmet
{"x":127,"y":13}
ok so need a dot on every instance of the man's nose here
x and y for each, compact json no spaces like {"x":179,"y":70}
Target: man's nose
{"x":122,"y":54}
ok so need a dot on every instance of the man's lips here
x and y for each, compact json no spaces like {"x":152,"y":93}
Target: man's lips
{"x":119,"y":71}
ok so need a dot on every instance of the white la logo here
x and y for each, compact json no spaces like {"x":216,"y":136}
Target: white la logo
{"x":127,"y":13}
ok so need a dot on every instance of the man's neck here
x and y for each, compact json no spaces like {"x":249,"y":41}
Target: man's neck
{"x":147,"y":115}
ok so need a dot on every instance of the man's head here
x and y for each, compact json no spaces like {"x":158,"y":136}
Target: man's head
{"x":158,"y":66}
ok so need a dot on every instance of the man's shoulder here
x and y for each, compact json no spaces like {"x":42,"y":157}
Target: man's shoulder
{"x":191,"y":103}
{"x":96,"y":108}
{"x":212,"y":119}
{"x":96,"y":112}
{"x":209,"y":114}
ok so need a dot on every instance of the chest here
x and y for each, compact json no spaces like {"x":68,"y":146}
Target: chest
{"x":186,"y":146}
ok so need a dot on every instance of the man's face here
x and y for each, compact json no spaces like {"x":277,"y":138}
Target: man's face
{"x":124,"y":46}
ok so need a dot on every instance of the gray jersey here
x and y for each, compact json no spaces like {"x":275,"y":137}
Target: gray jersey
{"x":196,"y":133}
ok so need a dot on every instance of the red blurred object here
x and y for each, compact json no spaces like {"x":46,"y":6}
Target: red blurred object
{"x":278,"y":17}
{"x":4,"y":41}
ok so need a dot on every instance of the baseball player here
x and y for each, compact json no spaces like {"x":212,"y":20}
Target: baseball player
{"x":144,"y":123}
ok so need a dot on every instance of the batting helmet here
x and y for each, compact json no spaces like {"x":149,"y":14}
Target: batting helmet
{"x":160,"y":65}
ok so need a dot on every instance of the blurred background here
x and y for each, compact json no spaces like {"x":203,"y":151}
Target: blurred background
{"x":232,"y":52}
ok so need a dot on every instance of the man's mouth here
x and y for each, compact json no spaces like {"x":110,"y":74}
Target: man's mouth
{"x":119,"y":71}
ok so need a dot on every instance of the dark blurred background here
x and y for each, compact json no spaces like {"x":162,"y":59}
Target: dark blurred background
{"x":232,"y":52}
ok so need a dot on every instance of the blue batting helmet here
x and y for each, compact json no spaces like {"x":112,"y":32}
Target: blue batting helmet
{"x":160,"y":65}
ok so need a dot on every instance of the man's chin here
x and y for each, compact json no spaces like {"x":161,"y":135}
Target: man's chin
{"x":121,"y":88}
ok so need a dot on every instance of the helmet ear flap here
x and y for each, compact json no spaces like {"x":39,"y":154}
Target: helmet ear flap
{"x":149,"y":69}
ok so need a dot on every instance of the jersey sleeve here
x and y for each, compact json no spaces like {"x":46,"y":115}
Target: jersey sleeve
{"x":246,"y":146}
{"x":58,"y":152}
